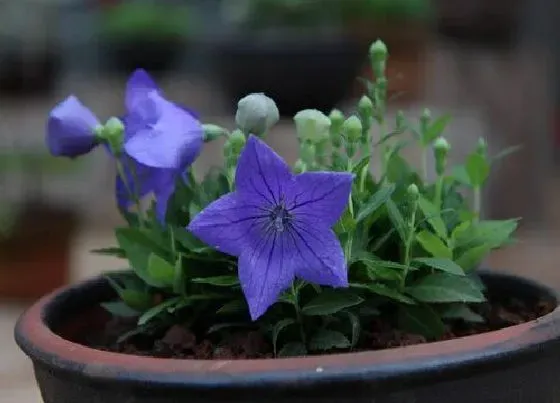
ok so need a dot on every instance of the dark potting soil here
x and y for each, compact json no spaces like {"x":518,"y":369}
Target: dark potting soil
{"x":180,"y":343}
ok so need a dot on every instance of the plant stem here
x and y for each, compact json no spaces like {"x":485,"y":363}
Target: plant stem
{"x":299,"y":316}
{"x":408,"y":244}
{"x":477,"y":201}
{"x":439,"y":191}
{"x":424,"y":164}
{"x":349,"y":242}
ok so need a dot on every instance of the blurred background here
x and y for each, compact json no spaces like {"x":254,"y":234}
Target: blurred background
{"x":493,"y":65}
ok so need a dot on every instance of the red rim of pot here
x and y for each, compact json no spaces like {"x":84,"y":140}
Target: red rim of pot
{"x":484,"y":352}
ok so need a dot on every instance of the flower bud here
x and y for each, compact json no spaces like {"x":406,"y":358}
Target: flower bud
{"x":300,"y":167}
{"x":365,"y":108}
{"x":400,"y":121}
{"x":441,"y":150}
{"x":352,"y":129}
{"x":378,"y":51}
{"x":312,"y":125}
{"x":307,"y":152}
{"x":237,"y":142}
{"x":256,"y":114}
{"x":337,"y":121}
{"x":212,"y":132}
{"x":482,"y":147}
{"x":413,"y":192}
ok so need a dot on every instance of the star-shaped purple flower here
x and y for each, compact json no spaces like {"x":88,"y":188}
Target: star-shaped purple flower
{"x":279,"y":225}
{"x":70,"y":129}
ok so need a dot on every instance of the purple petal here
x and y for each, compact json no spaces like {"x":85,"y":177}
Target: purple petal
{"x":138,"y":86}
{"x":317,"y":256}
{"x":70,"y":129}
{"x":262,"y":173}
{"x":265,"y":272}
{"x":165,"y":135}
{"x":230,"y":224}
{"x":319,"y":196}
{"x":163,"y":192}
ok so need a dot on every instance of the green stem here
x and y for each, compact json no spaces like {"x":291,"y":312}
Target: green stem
{"x":439,"y":191}
{"x":477,"y":201}
{"x":424,"y":164}
{"x":350,"y":240}
{"x":299,"y":316}
{"x":408,"y":244}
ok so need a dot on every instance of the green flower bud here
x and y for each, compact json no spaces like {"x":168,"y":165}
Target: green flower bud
{"x":300,"y":167}
{"x":482,"y":147}
{"x":400,"y":120}
{"x":312,"y":125}
{"x":236,"y":142}
{"x":378,"y":51}
{"x":441,"y":150}
{"x":352,"y":129}
{"x":425,"y":120}
{"x":413,"y":192}
{"x":256,"y":114}
{"x":308,"y":152}
{"x":212,"y":132}
{"x":337,"y":121}
{"x":365,"y":108}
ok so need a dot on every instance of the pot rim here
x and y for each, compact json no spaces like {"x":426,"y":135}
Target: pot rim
{"x":443,"y":359}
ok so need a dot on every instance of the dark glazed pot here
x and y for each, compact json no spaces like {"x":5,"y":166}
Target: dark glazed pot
{"x":298,"y":73}
{"x":519,"y":364}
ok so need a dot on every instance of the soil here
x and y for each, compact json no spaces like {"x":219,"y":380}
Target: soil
{"x":179,"y":342}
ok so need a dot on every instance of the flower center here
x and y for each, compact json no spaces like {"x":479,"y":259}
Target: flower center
{"x":280,"y":218}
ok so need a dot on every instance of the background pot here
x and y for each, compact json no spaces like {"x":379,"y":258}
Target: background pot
{"x":297,"y":72}
{"x":512,"y":365}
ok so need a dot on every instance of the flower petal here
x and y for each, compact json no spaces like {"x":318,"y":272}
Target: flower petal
{"x":265,"y":272}
{"x":138,"y":86}
{"x":229,"y":224}
{"x":172,"y":140}
{"x":317,"y":255}
{"x":261,"y":172}
{"x":70,"y":129}
{"x":319,"y":196}
{"x":163,"y":192}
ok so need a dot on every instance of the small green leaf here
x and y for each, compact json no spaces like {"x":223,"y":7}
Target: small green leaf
{"x":396,"y":218}
{"x":161,"y":273}
{"x":493,"y":233}
{"x":358,"y":168}
{"x":277,"y":329}
{"x":445,"y":265}
{"x":157,"y":310}
{"x":356,"y":328}
{"x":459,"y":173}
{"x":116,"y":252}
{"x":443,"y":287}
{"x":218,"y":281}
{"x":295,"y":349}
{"x":435,"y":130}
{"x":433,"y":217}
{"x":478,"y":169}
{"x":330,"y":302}
{"x":462,"y":311}
{"x":433,"y":245}
{"x":421,"y":319}
{"x":189,"y":241}
{"x":221,"y":326}
{"x":119,"y":308}
{"x":136,"y":299}
{"x":471,"y":258}
{"x":375,"y":202}
{"x":325,"y":340}
{"x":346,"y":224}
{"x":384,"y":291}
{"x":234,"y":306}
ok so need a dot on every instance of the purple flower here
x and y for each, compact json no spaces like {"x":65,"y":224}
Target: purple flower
{"x":161,"y":140}
{"x":70,"y":129}
{"x":279,"y":225}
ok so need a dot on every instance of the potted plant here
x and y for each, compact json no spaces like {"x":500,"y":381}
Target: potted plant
{"x":35,"y":236}
{"x":150,"y":35}
{"x":326,"y":282}
{"x":289,"y":49}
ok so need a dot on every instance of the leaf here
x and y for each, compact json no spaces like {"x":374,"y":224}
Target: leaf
{"x":375,"y":202}
{"x":137,"y":300}
{"x":443,"y":287}
{"x":478,"y":169}
{"x":218,"y":281}
{"x":421,"y":319}
{"x":471,"y":258}
{"x":493,"y":233}
{"x":396,"y":218}
{"x":459,"y":173}
{"x":358,"y":168}
{"x":445,"y":265}
{"x":435,"y":129}
{"x":461,"y":311}
{"x":398,"y":169}
{"x":295,"y":349}
{"x":189,"y":241}
{"x":433,"y":245}
{"x":232,"y":307}
{"x":116,"y":252}
{"x":346,"y":224}
{"x":433,"y":217}
{"x":221,"y":326}
{"x":277,"y":329}
{"x":157,"y":310}
{"x":330,"y":302}
{"x":161,"y":273}
{"x":119,"y":308}
{"x":356,"y":328}
{"x":325,"y":340}
{"x":383,"y":290}
{"x":179,"y":278}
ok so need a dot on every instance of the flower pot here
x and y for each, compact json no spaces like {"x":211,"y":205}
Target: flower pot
{"x":35,"y":259}
{"x":515,"y":364}
{"x":296,"y":72}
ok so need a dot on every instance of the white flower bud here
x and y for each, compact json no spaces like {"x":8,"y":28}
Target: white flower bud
{"x":312,"y":125}
{"x":256,"y":114}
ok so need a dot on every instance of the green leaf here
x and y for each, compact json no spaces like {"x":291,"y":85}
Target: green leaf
{"x":295,"y":349}
{"x":478,"y":169}
{"x":396,"y":218}
{"x":378,"y":199}
{"x":137,"y":300}
{"x":433,"y":245}
{"x":325,"y":340}
{"x":356,"y":328}
{"x":346,"y":224}
{"x":180,"y":277}
{"x":459,"y":173}
{"x":433,"y":217}
{"x":161,"y":273}
{"x":218,"y":281}
{"x":462,"y":311}
{"x":443,"y":287}
{"x":277,"y":329}
{"x":234,"y":306}
{"x":493,"y":233}
{"x":119,"y":308}
{"x":189,"y":241}
{"x":471,"y":258}
{"x":116,"y":252}
{"x":445,"y":265}
{"x":329,"y":302}
{"x":421,"y":319}
{"x":435,"y":130}
{"x":398,"y":169}
{"x":221,"y":326}
{"x":158,"y":310}
{"x":384,"y":291}
{"x":358,"y":168}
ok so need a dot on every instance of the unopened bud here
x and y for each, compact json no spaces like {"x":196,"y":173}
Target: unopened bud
{"x":337,"y":121}
{"x":365,"y":108}
{"x":352,"y":129}
{"x":256,"y":114}
{"x":413,"y":192}
{"x":312,"y":125}
{"x":482,"y":147}
{"x":237,"y":142}
{"x":441,"y":150}
{"x":212,"y":132}
{"x":300,"y":167}
{"x":378,"y":51}
{"x":400,"y":120}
